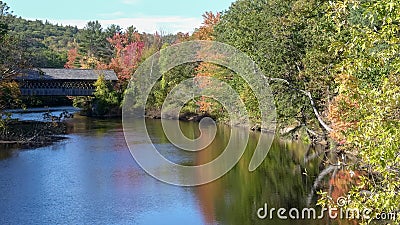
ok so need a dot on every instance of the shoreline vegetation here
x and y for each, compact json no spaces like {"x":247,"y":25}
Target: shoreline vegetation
{"x":33,"y":133}
{"x":197,"y":117}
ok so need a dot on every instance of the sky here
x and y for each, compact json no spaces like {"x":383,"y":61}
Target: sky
{"x":168,"y":16}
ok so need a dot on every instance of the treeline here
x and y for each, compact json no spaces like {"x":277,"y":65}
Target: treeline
{"x":46,"y":43}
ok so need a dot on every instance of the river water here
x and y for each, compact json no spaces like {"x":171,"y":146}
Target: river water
{"x":91,"y":178}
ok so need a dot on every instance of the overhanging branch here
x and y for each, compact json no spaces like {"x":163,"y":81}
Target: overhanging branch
{"x":308,"y":94}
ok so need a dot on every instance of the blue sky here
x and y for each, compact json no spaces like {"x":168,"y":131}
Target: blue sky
{"x":169,"y":16}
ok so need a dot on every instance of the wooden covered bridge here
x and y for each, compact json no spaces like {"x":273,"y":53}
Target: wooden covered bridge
{"x":61,"y":82}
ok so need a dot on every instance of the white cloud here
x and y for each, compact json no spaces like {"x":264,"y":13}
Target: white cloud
{"x":172,"y":24}
{"x":130,"y":2}
{"x":113,"y":14}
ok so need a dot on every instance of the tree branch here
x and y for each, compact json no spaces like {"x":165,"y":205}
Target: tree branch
{"x":308,"y":94}
{"x":321,"y":176}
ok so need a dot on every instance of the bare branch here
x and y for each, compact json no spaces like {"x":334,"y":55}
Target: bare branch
{"x":308,"y":94}
{"x":319,"y":179}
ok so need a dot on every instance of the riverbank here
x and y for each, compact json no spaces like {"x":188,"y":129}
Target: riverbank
{"x":32,"y":134}
{"x":197,"y":117}
{"x":35,"y":127}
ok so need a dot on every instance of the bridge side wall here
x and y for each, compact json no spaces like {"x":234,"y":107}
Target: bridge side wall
{"x":57,"y":87}
{"x":56,"y":92}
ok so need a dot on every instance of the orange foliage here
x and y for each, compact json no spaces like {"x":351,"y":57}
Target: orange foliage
{"x":204,"y":105}
{"x":341,"y":185}
{"x":206,"y":30}
{"x":341,"y":110}
{"x":343,"y":181}
{"x":206,"y":69}
{"x":340,"y":116}
{"x":72,"y":55}
{"x":182,"y":37}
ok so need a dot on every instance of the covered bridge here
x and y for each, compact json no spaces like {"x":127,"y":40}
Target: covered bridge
{"x":61,"y":82}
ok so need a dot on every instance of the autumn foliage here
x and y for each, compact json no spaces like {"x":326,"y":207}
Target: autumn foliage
{"x":205,"y":32}
{"x":128,"y":50}
{"x":72,"y":56}
{"x":340,"y":118}
{"x":128,"y":53}
{"x":205,"y":69}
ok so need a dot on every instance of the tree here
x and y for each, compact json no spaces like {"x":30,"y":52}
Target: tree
{"x":45,"y":43}
{"x":106,"y":99}
{"x":128,"y":51}
{"x":366,"y":112}
{"x":206,"y":31}
{"x":12,"y":60}
{"x":112,"y":30}
{"x":72,"y":59}
{"x":13,"y":56}
{"x":92,"y":42}
{"x":289,"y":41}
{"x":4,"y":13}
{"x":205,"y":69}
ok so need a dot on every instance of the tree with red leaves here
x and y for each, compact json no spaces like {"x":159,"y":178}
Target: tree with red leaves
{"x":128,"y":53}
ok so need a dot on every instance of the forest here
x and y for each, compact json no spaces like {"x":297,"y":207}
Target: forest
{"x":333,"y":67}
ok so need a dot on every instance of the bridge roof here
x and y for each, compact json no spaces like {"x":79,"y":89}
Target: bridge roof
{"x":67,"y":74}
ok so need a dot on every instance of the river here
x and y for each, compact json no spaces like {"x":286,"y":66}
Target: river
{"x":91,"y":178}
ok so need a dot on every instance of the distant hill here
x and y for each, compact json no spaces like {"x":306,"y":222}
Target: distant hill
{"x":47,"y":42}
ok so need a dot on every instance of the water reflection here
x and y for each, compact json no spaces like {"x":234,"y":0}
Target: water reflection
{"x":91,"y":178}
{"x":5,"y":152}
{"x":234,"y":199}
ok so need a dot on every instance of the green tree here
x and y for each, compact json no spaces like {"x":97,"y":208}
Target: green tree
{"x":289,"y":41}
{"x":92,"y":42}
{"x":366,"y":113}
{"x":106,"y":98}
{"x":46,"y":44}
{"x":4,"y":13}
{"x":12,"y":60}
{"x":12,"y":53}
